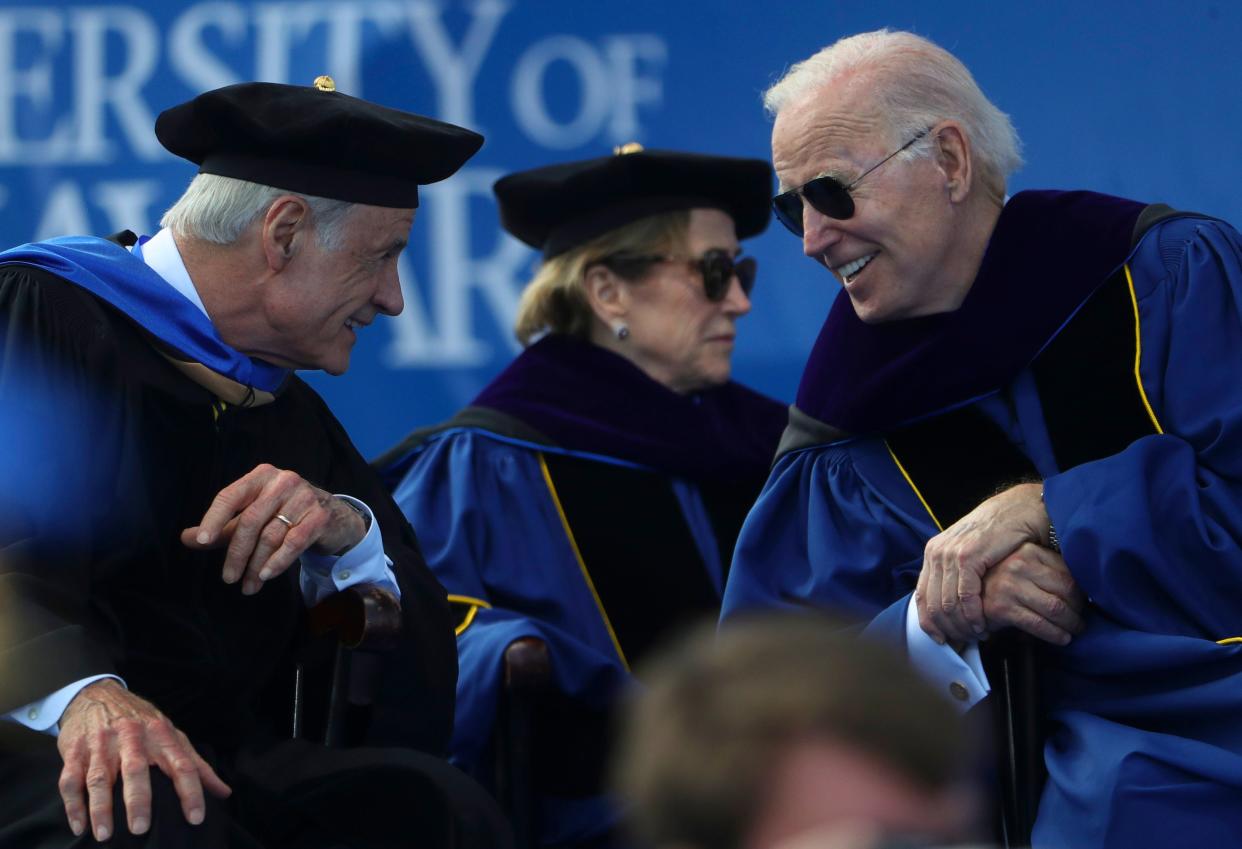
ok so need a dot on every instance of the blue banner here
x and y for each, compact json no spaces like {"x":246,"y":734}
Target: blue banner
{"x":1131,"y":98}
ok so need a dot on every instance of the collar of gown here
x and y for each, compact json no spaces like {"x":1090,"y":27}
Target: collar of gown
{"x":586,"y":399}
{"x":1048,"y":253}
{"x":182,"y":331}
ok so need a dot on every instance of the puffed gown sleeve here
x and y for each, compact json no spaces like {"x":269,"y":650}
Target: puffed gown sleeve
{"x":835,"y":527}
{"x":1154,"y":533}
{"x":1146,"y":747}
{"x":495,"y":539}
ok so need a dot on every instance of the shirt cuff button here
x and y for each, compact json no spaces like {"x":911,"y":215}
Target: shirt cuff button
{"x":959,"y":691}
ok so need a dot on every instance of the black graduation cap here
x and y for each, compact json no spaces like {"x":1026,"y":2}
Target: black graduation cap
{"x":560,"y":206}
{"x":315,"y":140}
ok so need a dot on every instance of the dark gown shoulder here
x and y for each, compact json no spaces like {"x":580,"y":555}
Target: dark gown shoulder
{"x":112,"y":582}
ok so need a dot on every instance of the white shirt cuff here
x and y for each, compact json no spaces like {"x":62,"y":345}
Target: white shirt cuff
{"x":365,"y":563}
{"x":959,"y":676}
{"x":44,"y":715}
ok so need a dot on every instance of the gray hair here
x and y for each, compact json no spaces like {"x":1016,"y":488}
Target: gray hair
{"x":916,"y":85}
{"x":218,"y":209}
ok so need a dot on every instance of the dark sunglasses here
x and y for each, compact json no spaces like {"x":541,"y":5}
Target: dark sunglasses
{"x":716,"y":266}
{"x":826,"y":194}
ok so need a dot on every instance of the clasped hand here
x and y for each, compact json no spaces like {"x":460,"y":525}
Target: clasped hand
{"x":992,"y":569}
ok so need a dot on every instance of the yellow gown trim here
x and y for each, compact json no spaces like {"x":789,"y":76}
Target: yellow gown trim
{"x":906,"y":475}
{"x":1138,"y":380}
{"x":573,"y":544}
{"x":473,"y":603}
{"x":1138,"y":353}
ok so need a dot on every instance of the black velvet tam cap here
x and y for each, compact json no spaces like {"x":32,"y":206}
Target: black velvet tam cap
{"x":558,"y":207}
{"x":316,"y":141}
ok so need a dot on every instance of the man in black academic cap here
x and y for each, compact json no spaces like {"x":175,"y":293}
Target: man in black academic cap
{"x":151,"y":616}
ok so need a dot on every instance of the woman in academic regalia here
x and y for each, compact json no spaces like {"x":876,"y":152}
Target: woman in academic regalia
{"x":592,"y":493}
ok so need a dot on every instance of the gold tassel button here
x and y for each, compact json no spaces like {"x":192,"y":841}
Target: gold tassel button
{"x":628,"y":147}
{"x":325,"y":83}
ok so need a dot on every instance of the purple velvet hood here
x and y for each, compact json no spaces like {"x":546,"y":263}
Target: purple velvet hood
{"x":1048,"y":253}
{"x":585,"y":398}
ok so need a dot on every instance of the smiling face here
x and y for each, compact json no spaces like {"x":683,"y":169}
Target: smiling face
{"x":902,"y":254}
{"x":322,"y":298}
{"x":677,"y":336}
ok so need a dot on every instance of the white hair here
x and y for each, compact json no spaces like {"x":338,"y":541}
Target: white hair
{"x":218,"y":209}
{"x":915,"y":84}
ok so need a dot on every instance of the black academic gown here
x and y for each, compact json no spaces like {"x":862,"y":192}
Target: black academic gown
{"x":93,"y":576}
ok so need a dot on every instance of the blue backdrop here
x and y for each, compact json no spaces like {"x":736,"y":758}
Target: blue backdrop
{"x":1136,"y":98}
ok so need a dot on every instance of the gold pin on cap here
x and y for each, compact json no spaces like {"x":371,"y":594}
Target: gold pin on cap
{"x":324,"y":82}
{"x":628,"y":147}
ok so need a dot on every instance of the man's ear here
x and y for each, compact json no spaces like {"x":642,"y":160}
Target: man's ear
{"x":955,"y":159}
{"x":606,"y":294}
{"x":286,"y":226}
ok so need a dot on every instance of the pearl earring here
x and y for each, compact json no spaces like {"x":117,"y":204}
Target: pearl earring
{"x":621,"y":330}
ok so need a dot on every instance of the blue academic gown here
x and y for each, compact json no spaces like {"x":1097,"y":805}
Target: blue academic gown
{"x":481,"y":507}
{"x":1144,"y":743}
{"x":492,"y":523}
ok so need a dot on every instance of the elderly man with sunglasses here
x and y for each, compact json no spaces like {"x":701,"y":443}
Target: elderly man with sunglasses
{"x":1015,"y":422}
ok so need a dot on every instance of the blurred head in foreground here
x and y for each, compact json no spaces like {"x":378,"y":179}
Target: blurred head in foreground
{"x":783,"y":732}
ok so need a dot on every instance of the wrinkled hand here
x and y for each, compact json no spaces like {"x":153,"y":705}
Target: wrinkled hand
{"x":261,"y":546}
{"x":950,"y":586}
{"x":1032,"y":590}
{"x":108,"y":730}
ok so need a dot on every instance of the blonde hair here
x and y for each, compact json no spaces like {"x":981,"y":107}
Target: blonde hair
{"x":917,"y":84}
{"x":555,"y":300}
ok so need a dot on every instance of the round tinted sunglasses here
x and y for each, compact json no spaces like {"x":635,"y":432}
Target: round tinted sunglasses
{"x":827,"y":195}
{"x":717,"y":268}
